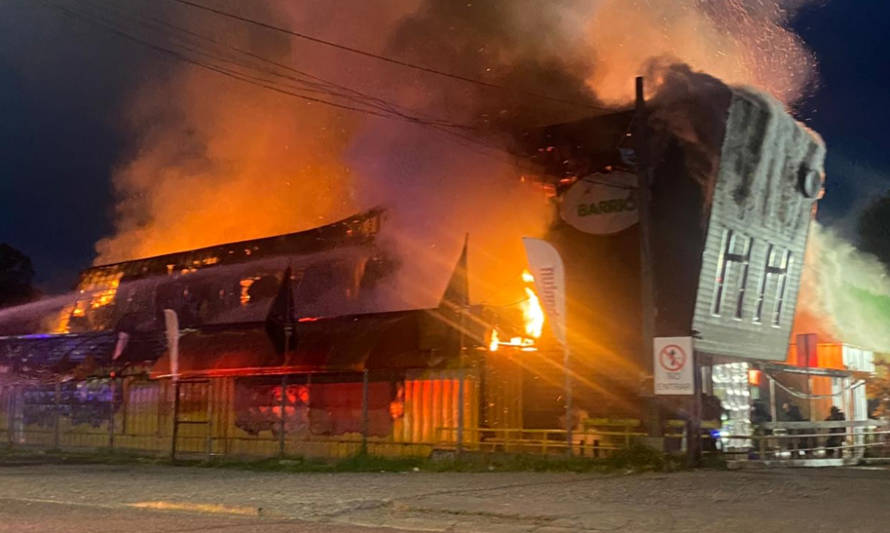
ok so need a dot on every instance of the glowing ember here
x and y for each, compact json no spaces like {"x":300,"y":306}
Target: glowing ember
{"x":106,"y":295}
{"x":94,"y":293}
{"x":531,"y":309}
{"x":245,"y":290}
{"x":495,"y":341}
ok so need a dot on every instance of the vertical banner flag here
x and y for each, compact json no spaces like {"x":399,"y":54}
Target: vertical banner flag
{"x":171,"y":321}
{"x":122,"y":339}
{"x":546,"y":266}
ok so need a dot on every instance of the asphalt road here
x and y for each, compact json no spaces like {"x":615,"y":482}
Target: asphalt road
{"x":166,"y":499}
{"x":27,"y":516}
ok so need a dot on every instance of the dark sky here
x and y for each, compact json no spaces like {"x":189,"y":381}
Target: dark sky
{"x":849,"y":107}
{"x":61,"y":105}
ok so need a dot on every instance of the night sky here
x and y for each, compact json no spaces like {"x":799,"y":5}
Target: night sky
{"x":60,"y":136}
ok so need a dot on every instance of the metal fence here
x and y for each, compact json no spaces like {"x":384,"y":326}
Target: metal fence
{"x":279,"y":416}
{"x":811,"y":443}
{"x":335,"y":415}
{"x":211,"y":418}
{"x":339,"y":416}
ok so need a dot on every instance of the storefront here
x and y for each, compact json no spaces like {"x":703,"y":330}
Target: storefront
{"x":802,"y":388}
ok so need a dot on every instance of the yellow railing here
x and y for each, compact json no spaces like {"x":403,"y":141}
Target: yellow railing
{"x":543,"y":441}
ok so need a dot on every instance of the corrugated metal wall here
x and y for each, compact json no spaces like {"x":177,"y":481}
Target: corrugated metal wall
{"x":405,"y":417}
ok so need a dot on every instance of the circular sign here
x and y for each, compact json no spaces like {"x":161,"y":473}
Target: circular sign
{"x":602,"y":203}
{"x":672,"y":358}
{"x":810,"y":182}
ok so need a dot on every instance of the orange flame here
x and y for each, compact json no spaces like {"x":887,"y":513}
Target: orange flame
{"x":532,"y":312}
{"x":94,"y":293}
{"x":494,"y":343}
{"x":532,"y":317}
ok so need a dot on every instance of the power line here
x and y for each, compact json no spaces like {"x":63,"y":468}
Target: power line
{"x":318,"y":85}
{"x":469,"y":142}
{"x":387,"y":59}
{"x":267,"y":84}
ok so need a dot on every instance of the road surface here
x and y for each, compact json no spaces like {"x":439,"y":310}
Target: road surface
{"x":141,"y":498}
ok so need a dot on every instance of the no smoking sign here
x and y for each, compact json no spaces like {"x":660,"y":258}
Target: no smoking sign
{"x":673,"y":365}
{"x":672,"y":358}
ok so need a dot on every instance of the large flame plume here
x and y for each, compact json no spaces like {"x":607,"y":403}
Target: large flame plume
{"x":532,"y":320}
{"x":532,"y":312}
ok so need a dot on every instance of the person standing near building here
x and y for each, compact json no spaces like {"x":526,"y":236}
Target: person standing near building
{"x":833,"y":443}
{"x":791,"y":413}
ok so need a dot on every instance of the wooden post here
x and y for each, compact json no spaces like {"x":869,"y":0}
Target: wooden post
{"x":568,"y":394}
{"x":281,"y":419}
{"x":847,"y":388}
{"x":308,"y":434}
{"x":461,"y":376}
{"x":175,"y":419}
{"x":364,"y":412}
{"x":647,"y":281}
{"x":56,"y":401}
{"x":763,"y":446}
{"x":694,"y":438}
{"x":125,"y":400}
{"x":111,"y":414}
{"x":809,"y":391}
{"x":10,"y":414}
{"x":288,"y":331}
{"x":209,"y":414}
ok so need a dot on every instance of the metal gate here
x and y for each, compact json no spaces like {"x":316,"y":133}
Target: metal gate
{"x":192,"y":430}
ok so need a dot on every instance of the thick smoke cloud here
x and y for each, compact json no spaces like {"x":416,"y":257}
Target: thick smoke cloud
{"x":217,"y":160}
{"x":741,"y":42}
{"x":845,"y":294}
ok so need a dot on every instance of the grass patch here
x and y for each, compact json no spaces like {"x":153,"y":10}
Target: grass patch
{"x":637,"y":458}
{"x":11,"y":456}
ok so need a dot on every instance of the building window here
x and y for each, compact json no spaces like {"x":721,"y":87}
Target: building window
{"x":732,"y":272}
{"x":778,"y":261}
{"x":782,"y":272}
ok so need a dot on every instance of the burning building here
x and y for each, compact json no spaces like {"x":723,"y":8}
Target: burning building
{"x":733,"y":183}
{"x":253,"y":345}
{"x":223,"y":340}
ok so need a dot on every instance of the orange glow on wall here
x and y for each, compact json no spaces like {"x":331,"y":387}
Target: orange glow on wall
{"x":754,"y":377}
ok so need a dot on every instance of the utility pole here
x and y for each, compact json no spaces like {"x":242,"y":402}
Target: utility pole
{"x":647,"y":283}
{"x":694,"y":435}
{"x":463,"y":302}
{"x":566,"y":359}
{"x":286,"y":297}
{"x":364,"y":412}
{"x":461,"y":376}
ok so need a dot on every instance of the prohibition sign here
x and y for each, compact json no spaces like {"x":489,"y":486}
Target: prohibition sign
{"x":672,"y":358}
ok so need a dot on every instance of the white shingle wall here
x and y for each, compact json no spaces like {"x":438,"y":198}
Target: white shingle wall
{"x":757,"y":194}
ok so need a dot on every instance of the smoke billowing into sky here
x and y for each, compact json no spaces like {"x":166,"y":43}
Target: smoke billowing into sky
{"x":845,"y":294}
{"x":741,"y":42}
{"x":214,"y":159}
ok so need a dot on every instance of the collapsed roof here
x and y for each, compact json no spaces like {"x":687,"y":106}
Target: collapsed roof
{"x":335,"y":282}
